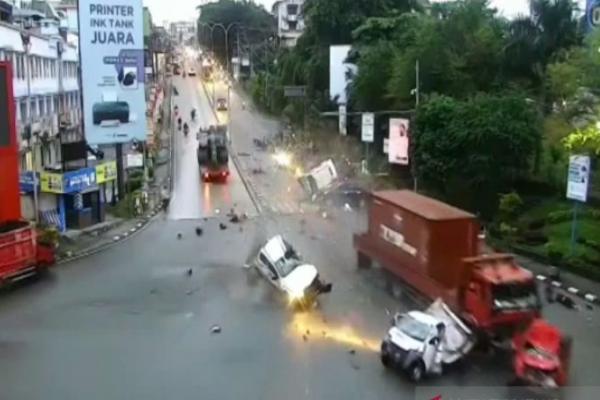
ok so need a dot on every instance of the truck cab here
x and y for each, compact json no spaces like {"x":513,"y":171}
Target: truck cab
{"x":213,"y":154}
{"x":501,"y":297}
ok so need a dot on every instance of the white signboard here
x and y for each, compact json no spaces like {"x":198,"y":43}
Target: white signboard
{"x":135,"y":160}
{"x":112,"y":70}
{"x":342,"y":121}
{"x":368,"y":127}
{"x":340,"y":73}
{"x":386,"y":146}
{"x":398,"y":142}
{"x":578,"y":180}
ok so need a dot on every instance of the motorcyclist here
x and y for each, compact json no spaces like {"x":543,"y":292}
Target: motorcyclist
{"x":193,"y":114}
{"x":186,"y":128}
{"x":179,"y":122}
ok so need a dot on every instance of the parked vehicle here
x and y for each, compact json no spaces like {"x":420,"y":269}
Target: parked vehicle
{"x":434,"y":248}
{"x":542,"y":356}
{"x":191,"y":72}
{"x":279,"y":263}
{"x":21,"y":254}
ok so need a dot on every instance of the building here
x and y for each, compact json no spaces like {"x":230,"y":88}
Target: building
{"x":55,"y":179}
{"x":290,"y":22}
{"x":183,"y":31}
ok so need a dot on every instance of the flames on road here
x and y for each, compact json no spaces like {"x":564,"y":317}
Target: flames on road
{"x":310,"y":326}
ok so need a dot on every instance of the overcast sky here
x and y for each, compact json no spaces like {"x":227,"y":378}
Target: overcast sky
{"x":186,"y":9}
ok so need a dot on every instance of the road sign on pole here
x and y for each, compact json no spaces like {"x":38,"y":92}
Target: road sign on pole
{"x":294,"y":91}
{"x":578,"y":179}
{"x":342,"y":121}
{"x":368,"y":127}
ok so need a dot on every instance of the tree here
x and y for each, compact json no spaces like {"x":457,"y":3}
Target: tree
{"x":586,"y":141}
{"x":471,"y":150}
{"x":533,"y":41}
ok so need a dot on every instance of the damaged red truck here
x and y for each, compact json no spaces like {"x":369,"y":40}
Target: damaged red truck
{"x":437,"y":250}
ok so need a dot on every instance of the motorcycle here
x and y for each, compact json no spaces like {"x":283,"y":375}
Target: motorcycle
{"x":193,"y":115}
{"x":186,"y":129}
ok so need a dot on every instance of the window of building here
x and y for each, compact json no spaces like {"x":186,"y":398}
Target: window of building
{"x":56,"y":109}
{"x":33,"y":108}
{"x":42,"y":107}
{"x":292,"y":9}
{"x":23,"y":110}
{"x":292,"y":25}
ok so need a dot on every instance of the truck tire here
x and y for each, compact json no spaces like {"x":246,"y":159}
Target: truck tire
{"x":416,"y":371}
{"x":364,"y":262}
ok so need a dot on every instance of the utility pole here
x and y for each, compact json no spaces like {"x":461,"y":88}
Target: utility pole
{"x":239,"y":56}
{"x":417,"y":87}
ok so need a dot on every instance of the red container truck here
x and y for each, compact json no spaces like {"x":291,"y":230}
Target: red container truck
{"x":434,"y":248}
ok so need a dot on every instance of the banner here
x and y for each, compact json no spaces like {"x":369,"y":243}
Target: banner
{"x":592,"y":14}
{"x":106,"y":172}
{"x":578,"y":178}
{"x":398,"y":146}
{"x":51,"y":183}
{"x":112,"y":70}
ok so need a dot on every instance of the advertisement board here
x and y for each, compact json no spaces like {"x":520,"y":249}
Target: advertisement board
{"x":342,"y":121}
{"x":578,"y":179}
{"x":398,"y":144}
{"x":592,"y":14}
{"x":340,"y":73}
{"x":112,"y":70}
{"x":106,"y":172}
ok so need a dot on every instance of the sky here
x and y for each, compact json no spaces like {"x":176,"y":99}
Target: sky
{"x":186,"y":9}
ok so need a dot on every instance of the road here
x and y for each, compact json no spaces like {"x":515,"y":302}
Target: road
{"x":131,"y":323}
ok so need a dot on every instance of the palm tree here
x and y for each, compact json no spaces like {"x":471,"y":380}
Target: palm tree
{"x":535,"y":40}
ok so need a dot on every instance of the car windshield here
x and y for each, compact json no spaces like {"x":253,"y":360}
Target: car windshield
{"x":412,"y":327}
{"x":286,"y":264}
{"x":515,"y":296}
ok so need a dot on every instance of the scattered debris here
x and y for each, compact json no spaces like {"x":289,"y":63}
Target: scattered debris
{"x":304,"y":338}
{"x":257,"y":171}
{"x":179,"y":235}
{"x":69,"y":253}
{"x":215,"y":329}
{"x":566,"y":301}
{"x":324,"y":215}
{"x":199,"y":231}
{"x":352,"y":351}
{"x":222,"y":226}
{"x":308,"y":331}
{"x":347,"y":207}
{"x":217,"y":211}
{"x":243,"y":154}
{"x":235,"y":219}
{"x":324,"y":333}
{"x":241,"y":229}
{"x":153,"y":291}
{"x":190,"y":272}
{"x":589,"y":306}
{"x":355,"y":366}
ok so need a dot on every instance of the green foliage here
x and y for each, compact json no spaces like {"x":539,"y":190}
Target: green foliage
{"x":510,"y":206}
{"x":585,"y":141}
{"x":484,"y":143}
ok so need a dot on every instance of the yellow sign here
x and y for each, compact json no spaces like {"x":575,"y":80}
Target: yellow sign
{"x":106,"y":172}
{"x":51,"y":183}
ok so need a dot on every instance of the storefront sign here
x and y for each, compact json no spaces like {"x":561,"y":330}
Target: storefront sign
{"x":80,"y":180}
{"x":135,"y":160}
{"x":69,"y":182}
{"x":26,"y":181}
{"x":106,"y":172}
{"x":51,"y":183}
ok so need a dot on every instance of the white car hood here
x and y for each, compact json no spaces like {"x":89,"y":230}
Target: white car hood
{"x":404,"y":341}
{"x":300,"y":278}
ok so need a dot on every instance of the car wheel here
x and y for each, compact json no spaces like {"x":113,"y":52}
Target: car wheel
{"x":416,"y":371}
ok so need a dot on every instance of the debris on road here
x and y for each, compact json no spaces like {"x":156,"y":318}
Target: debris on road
{"x":222,"y":226}
{"x":566,"y":301}
{"x":352,"y":351}
{"x":347,"y":207}
{"x":257,"y":171}
{"x":179,"y":235}
{"x":304,"y":338}
{"x":190,"y":272}
{"x":199,"y":231}
{"x":243,"y":154}
{"x":215,"y":329}
{"x":153,"y":291}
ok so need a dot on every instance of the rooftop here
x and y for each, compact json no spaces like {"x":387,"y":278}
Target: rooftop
{"x":422,"y":206}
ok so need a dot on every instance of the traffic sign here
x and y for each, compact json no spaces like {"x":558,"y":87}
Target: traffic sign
{"x":368,"y":127}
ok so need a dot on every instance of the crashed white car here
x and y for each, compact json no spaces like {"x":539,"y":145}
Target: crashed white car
{"x":281,"y":266}
{"x":421,"y":342}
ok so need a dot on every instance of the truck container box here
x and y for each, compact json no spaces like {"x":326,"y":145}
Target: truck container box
{"x":421,"y":240}
{"x":18,"y":249}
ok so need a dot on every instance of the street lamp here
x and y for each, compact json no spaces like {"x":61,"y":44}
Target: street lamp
{"x":226,"y":31}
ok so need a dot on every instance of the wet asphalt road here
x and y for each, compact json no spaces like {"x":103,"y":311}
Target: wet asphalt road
{"x":130,"y":323}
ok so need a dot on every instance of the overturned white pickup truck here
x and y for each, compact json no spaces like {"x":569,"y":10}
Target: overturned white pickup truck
{"x":421,"y":342}
{"x":281,"y":265}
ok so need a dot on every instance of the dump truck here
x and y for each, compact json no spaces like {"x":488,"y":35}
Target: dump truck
{"x":435,"y":249}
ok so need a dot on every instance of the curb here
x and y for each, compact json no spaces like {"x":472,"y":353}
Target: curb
{"x":234,"y":158}
{"x":589,"y":297}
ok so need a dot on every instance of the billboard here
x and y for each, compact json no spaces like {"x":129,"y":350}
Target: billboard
{"x":398,"y":144}
{"x":112,"y":70}
{"x":340,"y":73}
{"x":578,"y":178}
{"x":592,"y":14}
